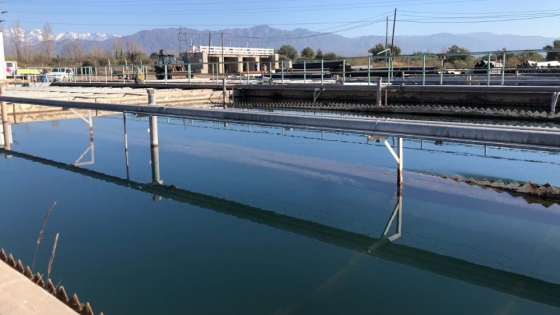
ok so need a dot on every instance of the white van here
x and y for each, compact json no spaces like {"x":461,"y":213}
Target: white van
{"x":60,"y":74}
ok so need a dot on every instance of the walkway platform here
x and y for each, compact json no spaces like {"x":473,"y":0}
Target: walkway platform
{"x":20,"y":296}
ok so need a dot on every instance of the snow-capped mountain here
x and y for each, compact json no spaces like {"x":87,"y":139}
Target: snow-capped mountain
{"x":36,"y":36}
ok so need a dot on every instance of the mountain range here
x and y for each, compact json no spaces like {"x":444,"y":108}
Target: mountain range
{"x":264,"y":36}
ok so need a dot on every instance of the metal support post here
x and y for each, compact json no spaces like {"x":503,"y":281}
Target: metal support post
{"x":488,"y":71}
{"x":164,"y":73}
{"x":282,"y":66}
{"x":106,"y":78}
{"x":224,"y":92}
{"x":554,"y":101}
{"x":503,"y":68}
{"x":189,"y":72}
{"x":153,"y":119}
{"x":423,"y":69}
{"x":5,"y":123}
{"x":369,"y":74}
{"x":400,"y":161}
{"x":248,"y":72}
{"x":441,"y":73}
{"x":400,"y":170}
{"x":123,"y":75}
{"x":343,"y":71}
{"x":304,"y":72}
{"x":379,"y":93}
{"x":322,"y":70}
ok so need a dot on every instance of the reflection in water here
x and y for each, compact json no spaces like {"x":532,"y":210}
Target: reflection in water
{"x":500,"y":280}
{"x":91,"y":150}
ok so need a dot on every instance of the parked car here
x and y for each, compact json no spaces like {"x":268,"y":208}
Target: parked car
{"x":60,"y":74}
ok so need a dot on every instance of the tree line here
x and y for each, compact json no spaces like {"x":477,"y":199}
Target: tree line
{"x":73,"y":52}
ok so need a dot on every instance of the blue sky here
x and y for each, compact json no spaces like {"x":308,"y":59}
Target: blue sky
{"x":348,"y":18}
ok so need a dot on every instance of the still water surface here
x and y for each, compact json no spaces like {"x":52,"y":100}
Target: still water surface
{"x":271,"y":221}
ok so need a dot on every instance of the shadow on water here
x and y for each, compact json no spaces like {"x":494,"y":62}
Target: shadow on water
{"x":504,"y":281}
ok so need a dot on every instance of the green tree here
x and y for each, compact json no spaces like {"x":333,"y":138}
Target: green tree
{"x":454,"y":49}
{"x":551,"y":56}
{"x":154,"y":55}
{"x":288,"y":50}
{"x":319,"y":54}
{"x":380,"y":47}
{"x":307,"y":53}
{"x":330,"y":56}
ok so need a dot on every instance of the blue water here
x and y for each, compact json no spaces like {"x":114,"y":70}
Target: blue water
{"x":271,"y":221}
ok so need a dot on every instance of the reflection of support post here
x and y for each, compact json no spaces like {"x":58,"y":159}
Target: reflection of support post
{"x":126,"y":147}
{"x":90,"y":149}
{"x":397,"y":212}
{"x":156,"y":179}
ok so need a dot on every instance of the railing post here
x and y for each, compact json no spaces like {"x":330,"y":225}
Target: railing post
{"x":379,"y":95}
{"x":503,"y":68}
{"x":368,"y":70}
{"x":164,"y":73}
{"x":248,"y":72}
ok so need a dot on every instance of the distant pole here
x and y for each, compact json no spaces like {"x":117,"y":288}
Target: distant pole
{"x":393,"y":39}
{"x":387,"y":34}
{"x":386,"y":39}
{"x":209,"y":41}
{"x":179,"y":40}
{"x":223,"y":61}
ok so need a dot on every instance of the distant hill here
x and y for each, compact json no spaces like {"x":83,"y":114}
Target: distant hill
{"x":167,"y":39}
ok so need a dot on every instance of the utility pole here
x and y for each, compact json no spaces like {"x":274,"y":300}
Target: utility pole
{"x":393,"y":39}
{"x":386,"y":39}
{"x":209,"y":41}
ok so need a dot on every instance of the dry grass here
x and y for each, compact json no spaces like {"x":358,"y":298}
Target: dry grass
{"x":41,"y":233}
{"x":49,"y":269}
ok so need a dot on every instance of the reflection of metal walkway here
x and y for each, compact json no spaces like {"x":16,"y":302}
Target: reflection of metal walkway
{"x":507,"y":282}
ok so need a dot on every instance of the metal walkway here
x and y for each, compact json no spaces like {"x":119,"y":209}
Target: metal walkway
{"x":502,"y":136}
